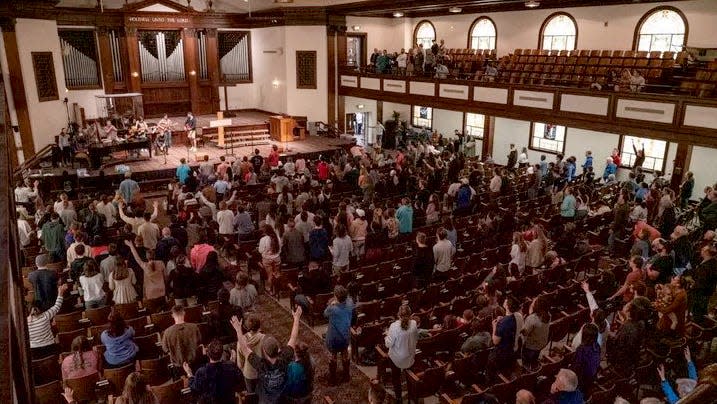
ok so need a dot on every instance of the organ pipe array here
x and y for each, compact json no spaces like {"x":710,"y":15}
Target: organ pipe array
{"x":116,"y":56}
{"x":80,"y":69}
{"x":158,"y":60}
{"x":234,"y":57}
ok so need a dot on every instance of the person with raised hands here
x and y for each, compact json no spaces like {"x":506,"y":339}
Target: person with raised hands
{"x":272,"y":367}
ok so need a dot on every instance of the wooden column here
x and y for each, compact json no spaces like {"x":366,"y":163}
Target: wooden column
{"x":19,"y":96}
{"x":681,"y":165}
{"x":331,"y":76}
{"x":379,"y":111}
{"x":134,"y":80}
{"x":213,"y":66}
{"x":488,"y":137}
{"x":105,"y":59}
{"x":341,"y":107}
{"x":189,"y":38}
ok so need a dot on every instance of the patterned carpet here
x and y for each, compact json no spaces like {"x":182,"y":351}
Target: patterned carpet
{"x":276,"y":320}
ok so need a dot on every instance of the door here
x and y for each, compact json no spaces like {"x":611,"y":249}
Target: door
{"x":356,"y":50}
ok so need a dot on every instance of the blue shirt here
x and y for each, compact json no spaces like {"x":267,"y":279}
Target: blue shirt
{"x":609,"y":169}
{"x":404,"y":215}
{"x":588,"y":163}
{"x":183,"y":173}
{"x":571,"y":171}
{"x":318,"y":243}
{"x":297,"y":382}
{"x":221,"y":186}
{"x":670,"y":395}
{"x":120,"y":349}
{"x":543,"y":168}
{"x":567,"y":208}
{"x":127,"y":189}
{"x":339,"y":316}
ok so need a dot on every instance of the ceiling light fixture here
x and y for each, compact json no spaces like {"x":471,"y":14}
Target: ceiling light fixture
{"x":455,"y":10}
{"x":532,"y":4}
{"x":398,"y":14}
{"x":356,"y":28}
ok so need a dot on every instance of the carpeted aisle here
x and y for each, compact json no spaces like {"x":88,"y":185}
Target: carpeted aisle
{"x":276,"y":320}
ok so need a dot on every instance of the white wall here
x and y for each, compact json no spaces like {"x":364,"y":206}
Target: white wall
{"x":403,"y":109}
{"x":46,"y":118}
{"x":578,"y":141}
{"x":351,"y":106}
{"x":84,"y":99}
{"x":445,"y":122}
{"x":507,"y":131}
{"x":312,"y":103}
{"x":520,"y":29}
{"x":703,"y":165}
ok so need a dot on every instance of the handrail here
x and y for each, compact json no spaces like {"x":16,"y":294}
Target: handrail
{"x":29,"y":163}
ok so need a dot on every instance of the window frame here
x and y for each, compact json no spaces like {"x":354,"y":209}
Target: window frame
{"x":538,"y":149}
{"x":465,"y":126}
{"x":98,"y":62}
{"x":648,"y":14}
{"x":473,"y":25}
{"x":645,"y":170}
{"x":413,"y":116}
{"x":547,"y":20}
{"x":415,"y":32}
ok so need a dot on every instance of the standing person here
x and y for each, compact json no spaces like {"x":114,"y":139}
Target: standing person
{"x":404,"y":215}
{"x":273,"y":158}
{"x":272,"y":367}
{"x":270,"y":251}
{"x":318,"y":240}
{"x":401,"y":341}
{"x":164,"y":126}
{"x":128,"y":188}
{"x":504,"y":330}
{"x":587,"y":357}
{"x":153,"y":270}
{"x":686,"y":189}
{"x":121,"y":282}
{"x":292,"y":244}
{"x":568,"y":206}
{"x":181,"y":340}
{"x":91,"y":282}
{"x":443,"y":252}
{"x":44,"y":283}
{"x":190,"y":125}
{"x":523,"y":158}
{"x":704,"y":276}
{"x":535,"y":332}
{"x":424,"y":261}
{"x":218,"y":381}
{"x":63,"y":142}
{"x":254,"y":339}
{"x":341,"y":250}
{"x":257,"y":161}
{"x":53,"y":239}
{"x":243,"y":294}
{"x":358,"y":231}
{"x":39,"y":327}
{"x":339,"y":314}
{"x":512,"y":157}
{"x":299,"y":376}
{"x":183,"y":171}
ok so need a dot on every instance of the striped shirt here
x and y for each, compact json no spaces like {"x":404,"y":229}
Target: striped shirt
{"x":40,"y":327}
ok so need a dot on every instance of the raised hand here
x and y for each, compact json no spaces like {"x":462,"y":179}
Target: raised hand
{"x":661,"y":372}
{"x":688,"y":355}
{"x":62,"y":289}
{"x":236,"y":323}
{"x":187,"y":369}
{"x":128,"y":243}
{"x":585,"y":287}
{"x":68,"y":394}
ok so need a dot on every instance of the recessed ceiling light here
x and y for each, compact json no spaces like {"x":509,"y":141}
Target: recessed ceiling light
{"x":455,"y":10}
{"x":532,"y":3}
{"x":398,"y":14}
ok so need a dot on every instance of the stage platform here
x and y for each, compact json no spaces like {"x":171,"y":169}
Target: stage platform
{"x":158,"y":169}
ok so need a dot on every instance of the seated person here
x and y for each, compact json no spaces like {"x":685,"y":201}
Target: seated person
{"x":82,"y":361}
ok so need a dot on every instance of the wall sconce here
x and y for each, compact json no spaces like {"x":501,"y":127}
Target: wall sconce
{"x":192,"y":73}
{"x":135,"y":74}
{"x":360,"y":106}
{"x":275,"y":83}
{"x":356,"y":27}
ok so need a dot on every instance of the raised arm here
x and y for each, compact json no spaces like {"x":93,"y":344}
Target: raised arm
{"x":295,"y":327}
{"x":155,"y":212}
{"x":242,"y":344}
{"x":136,"y":256}
{"x":122,"y":215}
{"x":50,"y":313}
{"x":589,"y":296}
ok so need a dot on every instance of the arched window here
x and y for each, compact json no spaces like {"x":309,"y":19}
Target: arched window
{"x":425,"y":34}
{"x":663,"y":29}
{"x":482,"y":34}
{"x":559,"y":32}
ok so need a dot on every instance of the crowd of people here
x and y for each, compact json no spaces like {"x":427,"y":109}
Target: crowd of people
{"x":330,"y":216}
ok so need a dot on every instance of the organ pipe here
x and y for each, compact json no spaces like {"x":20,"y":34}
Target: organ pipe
{"x":80,"y":69}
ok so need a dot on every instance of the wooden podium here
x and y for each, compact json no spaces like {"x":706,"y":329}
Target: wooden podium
{"x":282,"y":128}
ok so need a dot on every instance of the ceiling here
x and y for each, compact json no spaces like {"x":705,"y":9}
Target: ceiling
{"x":224,"y":6}
{"x":368,"y":8}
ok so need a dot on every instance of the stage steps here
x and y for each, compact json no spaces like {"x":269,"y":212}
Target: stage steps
{"x":239,"y":135}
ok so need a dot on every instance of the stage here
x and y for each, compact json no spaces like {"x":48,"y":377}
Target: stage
{"x":160,"y":168}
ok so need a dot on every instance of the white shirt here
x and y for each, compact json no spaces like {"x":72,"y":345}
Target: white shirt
{"x":265,"y":248}
{"x":72,"y":256}
{"x":522,"y":158}
{"x":402,"y":344}
{"x":225,"y":218}
{"x":109,"y":211}
{"x":401,"y":59}
{"x":453,"y":188}
{"x":24,"y":230}
{"x":23,"y":194}
{"x":289,"y":168}
{"x":92,"y":287}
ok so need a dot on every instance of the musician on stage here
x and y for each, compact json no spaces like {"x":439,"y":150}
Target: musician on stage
{"x":164,"y":126}
{"x":190,"y":125}
{"x":140,"y":128}
{"x":111,"y":132}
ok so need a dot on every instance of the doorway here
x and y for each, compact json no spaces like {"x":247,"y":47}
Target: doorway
{"x":357,"y":124}
{"x":356,"y":50}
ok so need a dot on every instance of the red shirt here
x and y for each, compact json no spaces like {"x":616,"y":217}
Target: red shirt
{"x":616,"y":159}
{"x":323,"y":170}
{"x":273,"y":159}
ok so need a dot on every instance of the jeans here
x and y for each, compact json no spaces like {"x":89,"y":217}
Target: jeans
{"x":186,"y":302}
{"x":168,"y":138}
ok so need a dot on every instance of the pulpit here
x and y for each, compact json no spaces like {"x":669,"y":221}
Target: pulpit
{"x":282,"y":128}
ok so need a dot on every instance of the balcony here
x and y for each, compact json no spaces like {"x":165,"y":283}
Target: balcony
{"x":658,"y":115}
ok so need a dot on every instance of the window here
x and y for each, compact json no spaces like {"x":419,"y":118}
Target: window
{"x":662,"y":30}
{"x":475,"y":125}
{"x":655,"y":152}
{"x":482,"y":34}
{"x":422,"y":117}
{"x":548,"y":138}
{"x":559,"y":32}
{"x":424,"y":34}
{"x":79,"y":58}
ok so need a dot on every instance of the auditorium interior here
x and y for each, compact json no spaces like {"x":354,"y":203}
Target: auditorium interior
{"x":432,"y":201}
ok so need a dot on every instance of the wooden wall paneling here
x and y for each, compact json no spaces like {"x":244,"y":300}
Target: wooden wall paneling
{"x":213,"y":67}
{"x":379,"y":111}
{"x":19,"y":96}
{"x":341,"y":104}
{"x":134,"y":71}
{"x":189,"y":37}
{"x":683,"y":155}
{"x":488,"y":136}
{"x":105,"y":59}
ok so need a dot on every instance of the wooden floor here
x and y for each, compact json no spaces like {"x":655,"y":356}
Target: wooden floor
{"x":241,"y":118}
